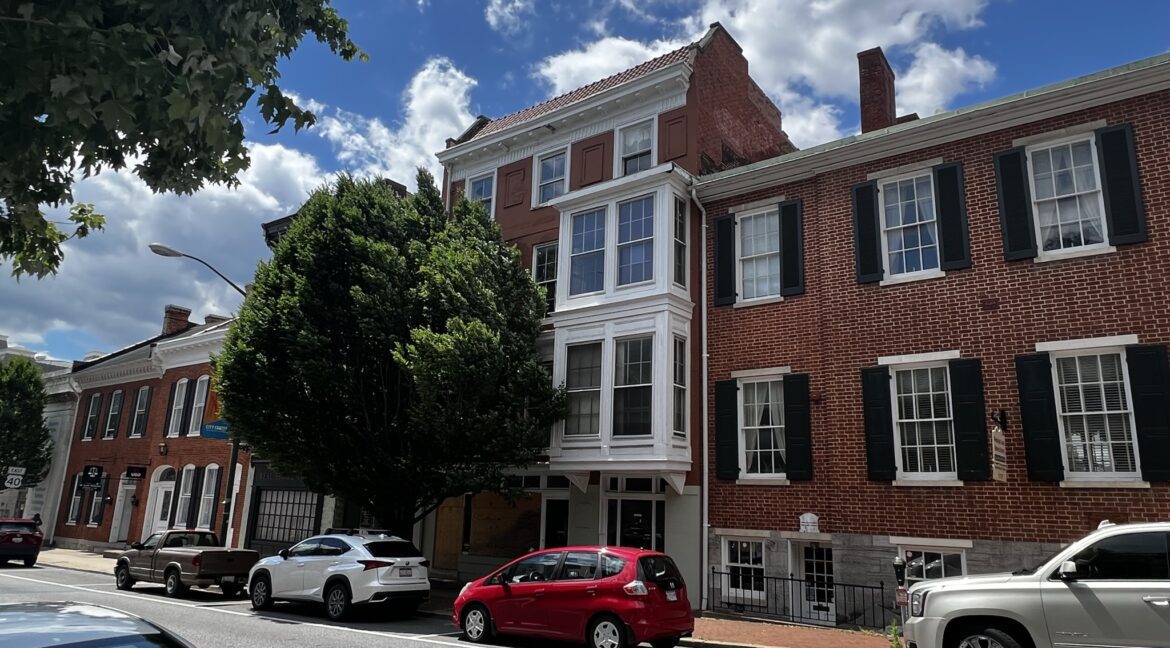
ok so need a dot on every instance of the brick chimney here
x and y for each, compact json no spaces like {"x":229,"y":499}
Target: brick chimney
{"x":877,"y":90}
{"x":175,"y":319}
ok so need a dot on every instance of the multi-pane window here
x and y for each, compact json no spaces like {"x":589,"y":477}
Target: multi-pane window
{"x":637,"y":145}
{"x":199,"y":404}
{"x":633,"y":390}
{"x":544,"y":272}
{"x":91,"y":417}
{"x":587,"y":261}
{"x":679,"y":403}
{"x":762,"y":427}
{"x":1095,"y":415}
{"x":759,"y":255}
{"x":184,"y":505}
{"x":635,"y":244}
{"x":552,"y":176}
{"x":924,"y":427}
{"x":929,"y":564}
{"x":75,"y":500}
{"x":207,"y":500}
{"x":583,"y":383}
{"x":680,"y":241}
{"x":113,"y":415}
{"x":481,"y":190}
{"x":1066,"y":195}
{"x":909,"y":227}
{"x":97,"y":502}
{"x":177,"y":408}
{"x":744,"y":561}
{"x":141,"y":402}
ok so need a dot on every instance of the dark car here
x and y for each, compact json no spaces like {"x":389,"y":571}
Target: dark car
{"x":19,"y":540}
{"x":40,"y":625}
{"x":610,"y":597}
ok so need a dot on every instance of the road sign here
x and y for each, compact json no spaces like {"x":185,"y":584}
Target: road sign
{"x":16,"y":470}
{"x":91,"y":477}
{"x":13,"y":481}
{"x":901,"y":597}
{"x":216,"y":430}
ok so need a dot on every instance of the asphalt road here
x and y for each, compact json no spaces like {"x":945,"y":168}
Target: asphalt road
{"x":206,"y":620}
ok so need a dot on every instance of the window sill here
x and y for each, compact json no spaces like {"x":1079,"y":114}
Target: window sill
{"x":944,"y":483}
{"x":1045,"y":257}
{"x":1094,"y":483}
{"x":759,"y":301}
{"x":134,"y":436}
{"x":910,"y":278}
{"x":762,"y":482}
{"x":633,"y":284}
{"x":70,"y":524}
{"x":84,"y":440}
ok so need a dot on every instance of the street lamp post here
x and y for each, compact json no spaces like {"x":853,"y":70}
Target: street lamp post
{"x":229,"y":508}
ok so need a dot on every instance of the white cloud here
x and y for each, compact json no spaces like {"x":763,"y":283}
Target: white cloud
{"x":574,"y":68}
{"x":507,"y":16}
{"x":937,"y":76}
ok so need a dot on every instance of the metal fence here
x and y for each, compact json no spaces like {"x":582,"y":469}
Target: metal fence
{"x":813,"y":601}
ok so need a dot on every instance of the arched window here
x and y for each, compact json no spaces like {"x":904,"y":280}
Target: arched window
{"x":167,"y":474}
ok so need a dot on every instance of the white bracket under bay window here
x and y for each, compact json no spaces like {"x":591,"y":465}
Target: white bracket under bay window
{"x":758,"y":253}
{"x":635,"y":148}
{"x":761,"y":428}
{"x":483,"y":189}
{"x":544,"y":272}
{"x":635,"y":241}
{"x":1095,"y":416}
{"x":552,"y":172}
{"x":924,"y":435}
{"x":1067,"y":203}
{"x":910,"y":247}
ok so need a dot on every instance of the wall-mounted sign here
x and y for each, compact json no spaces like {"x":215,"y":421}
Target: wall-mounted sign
{"x":810,"y":523}
{"x":91,"y":477}
{"x":135,"y":472}
{"x":215,"y":430}
{"x":998,"y":454}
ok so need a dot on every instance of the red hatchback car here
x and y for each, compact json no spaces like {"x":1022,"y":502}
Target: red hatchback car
{"x":612,"y":597}
{"x":19,"y":540}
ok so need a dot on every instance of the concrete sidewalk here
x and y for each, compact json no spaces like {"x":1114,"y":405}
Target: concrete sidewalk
{"x":76,"y":560}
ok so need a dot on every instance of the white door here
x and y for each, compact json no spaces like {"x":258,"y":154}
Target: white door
{"x":814,"y":600}
{"x":161,"y":516}
{"x":120,"y":529}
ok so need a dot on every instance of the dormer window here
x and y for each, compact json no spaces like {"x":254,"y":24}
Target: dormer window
{"x":636,"y":148}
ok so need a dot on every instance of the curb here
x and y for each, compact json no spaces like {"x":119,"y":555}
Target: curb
{"x":691,"y":642}
{"x":79,"y":569}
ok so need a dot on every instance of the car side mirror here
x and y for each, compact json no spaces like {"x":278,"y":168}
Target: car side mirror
{"x":1068,"y":571}
{"x":283,"y":553}
{"x":136,"y":545}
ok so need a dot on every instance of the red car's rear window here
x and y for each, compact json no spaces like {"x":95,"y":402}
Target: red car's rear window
{"x":659,"y":569}
{"x":18,"y":527}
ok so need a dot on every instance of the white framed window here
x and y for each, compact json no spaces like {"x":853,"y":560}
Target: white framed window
{"x":1095,"y":414}
{"x":482,"y":188}
{"x":680,"y":241}
{"x":198,"y":405}
{"x":909,"y":225}
{"x":587,"y":258}
{"x":583,"y":384}
{"x":758,"y":243}
{"x":141,"y":403}
{"x":551,"y":176}
{"x":177,"y":408}
{"x":75,"y":501}
{"x":635,"y":512}
{"x":924,"y":434}
{"x":97,"y":502}
{"x":544,"y":271}
{"x":1067,"y":202}
{"x":633,"y":387}
{"x":184,"y":504}
{"x":93,"y":413}
{"x":929,"y":563}
{"x":635,"y":241}
{"x":743,"y":560}
{"x":679,"y":396}
{"x":761,"y":428}
{"x":207,"y":498}
{"x":635,"y":148}
{"x":113,"y":415}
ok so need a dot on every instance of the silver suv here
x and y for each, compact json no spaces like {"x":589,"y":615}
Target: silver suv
{"x":1110,"y":588}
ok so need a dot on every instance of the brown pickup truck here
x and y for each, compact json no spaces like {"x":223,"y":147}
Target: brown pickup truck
{"x":181,"y":559}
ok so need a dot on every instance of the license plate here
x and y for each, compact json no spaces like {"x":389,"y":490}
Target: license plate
{"x":18,"y":539}
{"x":671,"y":595}
{"x":228,"y":579}
{"x":405,"y":572}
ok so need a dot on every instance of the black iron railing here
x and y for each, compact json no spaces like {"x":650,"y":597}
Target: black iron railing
{"x":809,"y":600}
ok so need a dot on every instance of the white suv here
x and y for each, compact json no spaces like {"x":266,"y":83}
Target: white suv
{"x":342,"y":571}
{"x":1110,"y":588}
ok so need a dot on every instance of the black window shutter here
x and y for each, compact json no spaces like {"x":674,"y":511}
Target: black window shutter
{"x":725,"y":261}
{"x":951,"y":207}
{"x":970,"y":419}
{"x":187,"y":405}
{"x":1120,"y":186}
{"x":1015,"y":204}
{"x":1038,"y":418}
{"x":1149,"y":378}
{"x":727,"y":429}
{"x":196,"y":498}
{"x":867,"y":233}
{"x":879,"y":423}
{"x":791,"y":248}
{"x":170,"y":410}
{"x":797,"y":428}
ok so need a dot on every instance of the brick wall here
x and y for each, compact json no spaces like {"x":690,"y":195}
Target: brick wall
{"x":994,"y":310}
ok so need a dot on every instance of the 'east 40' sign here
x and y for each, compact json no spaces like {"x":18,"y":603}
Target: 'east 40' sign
{"x":215,"y":430}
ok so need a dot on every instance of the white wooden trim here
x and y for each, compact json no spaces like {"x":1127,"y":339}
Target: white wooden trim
{"x":759,"y":373}
{"x":1115,"y":483}
{"x":758,"y":301}
{"x":930,"y":543}
{"x":564,"y":148}
{"x":762,"y":481}
{"x":495,"y":182}
{"x":910,"y":277}
{"x":617,"y":142}
{"x":806,"y":536}
{"x":757,"y":204}
{"x":1060,"y":133}
{"x":912,"y":167}
{"x":742,"y":533}
{"x":1074,"y":253}
{"x":1087,"y":343}
{"x":906,"y":480}
{"x":912,"y":358}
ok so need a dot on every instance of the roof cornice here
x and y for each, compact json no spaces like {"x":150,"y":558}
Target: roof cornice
{"x":193,"y":349}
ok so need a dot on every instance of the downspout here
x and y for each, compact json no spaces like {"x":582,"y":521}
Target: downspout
{"x":704,"y":524}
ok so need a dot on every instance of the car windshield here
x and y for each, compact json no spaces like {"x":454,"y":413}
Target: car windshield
{"x":17,"y":527}
{"x":392,"y":549}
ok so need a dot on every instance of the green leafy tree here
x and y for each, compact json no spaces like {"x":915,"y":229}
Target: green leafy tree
{"x":160,"y":85}
{"x":24,"y":438}
{"x":387,"y":354}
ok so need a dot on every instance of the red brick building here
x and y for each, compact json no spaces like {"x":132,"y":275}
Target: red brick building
{"x":140,"y":415}
{"x":593,"y":187}
{"x":944,"y":338}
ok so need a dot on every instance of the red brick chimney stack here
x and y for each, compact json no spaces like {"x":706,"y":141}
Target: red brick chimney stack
{"x":175,"y":319}
{"x":877,"y":90}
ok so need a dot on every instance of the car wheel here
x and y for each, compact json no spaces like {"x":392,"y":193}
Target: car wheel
{"x":174,"y":585}
{"x":477,"y":624}
{"x":122,"y":578}
{"x":987,"y":638}
{"x":336,"y":601}
{"x":29,"y":562}
{"x":230,"y":590}
{"x":606,"y":632}
{"x":261,"y":593}
{"x":665,"y":643}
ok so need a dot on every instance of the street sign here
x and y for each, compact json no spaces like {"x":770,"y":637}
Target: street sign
{"x":135,"y":472}
{"x":91,"y":477}
{"x":16,"y":470}
{"x":216,"y":430}
{"x":13,"y":481}
{"x":901,"y":597}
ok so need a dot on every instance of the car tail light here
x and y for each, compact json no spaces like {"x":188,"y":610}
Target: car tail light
{"x":425,"y":563}
{"x":635,"y":588}
{"x":376,"y":564}
{"x":198,"y":560}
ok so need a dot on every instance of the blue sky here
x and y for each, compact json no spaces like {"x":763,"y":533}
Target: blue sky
{"x":435,"y":64}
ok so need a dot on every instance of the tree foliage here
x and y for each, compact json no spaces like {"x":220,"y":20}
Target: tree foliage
{"x":24,"y":438}
{"x":387,"y":354}
{"x":158,"y":84}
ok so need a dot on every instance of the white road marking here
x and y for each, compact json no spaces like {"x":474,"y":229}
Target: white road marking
{"x":425,"y":638}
